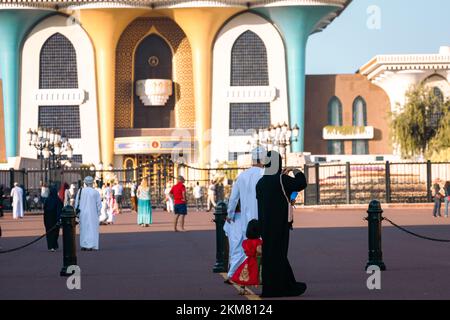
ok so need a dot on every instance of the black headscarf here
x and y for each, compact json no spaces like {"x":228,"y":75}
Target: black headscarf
{"x":53,"y":203}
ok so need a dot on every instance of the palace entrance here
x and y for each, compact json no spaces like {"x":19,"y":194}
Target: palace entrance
{"x":156,"y":168}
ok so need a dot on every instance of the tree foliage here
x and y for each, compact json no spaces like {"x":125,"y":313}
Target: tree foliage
{"x":422,"y":125}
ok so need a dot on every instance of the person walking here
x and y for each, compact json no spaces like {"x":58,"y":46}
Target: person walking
{"x":52,"y":214}
{"x":103,"y":215}
{"x":273,"y":192}
{"x":447,"y":197}
{"x":17,"y":201}
{"x":198,"y":196}
{"x":178,"y":193}
{"x":108,"y":197}
{"x":72,"y":194}
{"x":248,"y":273}
{"x":64,"y":194}
{"x":88,"y":204}
{"x":437,"y":197}
{"x":133,"y":189}
{"x":242,"y":208}
{"x":168,"y":198}
{"x":211,"y":200}
{"x":118,"y":195}
{"x":219,"y":191}
{"x":144,"y":216}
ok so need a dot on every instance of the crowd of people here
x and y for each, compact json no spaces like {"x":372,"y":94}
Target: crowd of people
{"x":258,"y":222}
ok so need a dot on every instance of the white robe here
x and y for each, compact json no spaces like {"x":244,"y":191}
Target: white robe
{"x":244,"y":189}
{"x":103,"y":214}
{"x":17,"y":197}
{"x":90,"y":206}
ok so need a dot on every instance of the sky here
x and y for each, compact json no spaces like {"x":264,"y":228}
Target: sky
{"x":390,"y":27}
{"x":356,"y":36}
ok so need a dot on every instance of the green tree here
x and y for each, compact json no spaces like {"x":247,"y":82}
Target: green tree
{"x":419,"y":122}
{"x":439,"y":148}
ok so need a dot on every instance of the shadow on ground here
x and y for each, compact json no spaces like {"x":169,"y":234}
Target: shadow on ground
{"x":168,"y":265}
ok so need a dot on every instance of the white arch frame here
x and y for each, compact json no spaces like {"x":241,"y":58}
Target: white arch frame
{"x":224,"y":94}
{"x":88,"y":145}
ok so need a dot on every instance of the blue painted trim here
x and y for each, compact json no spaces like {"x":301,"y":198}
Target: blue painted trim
{"x":14,"y":26}
{"x":296,"y":24}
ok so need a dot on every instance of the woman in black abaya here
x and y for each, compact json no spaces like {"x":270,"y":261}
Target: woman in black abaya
{"x":277,"y":277}
{"x":52,"y":213}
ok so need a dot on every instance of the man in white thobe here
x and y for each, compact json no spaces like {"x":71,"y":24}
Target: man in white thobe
{"x":244,"y":190}
{"x":90,"y":205}
{"x":17,"y":201}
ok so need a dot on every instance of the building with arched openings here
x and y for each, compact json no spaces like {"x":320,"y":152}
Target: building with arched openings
{"x":130,"y":80}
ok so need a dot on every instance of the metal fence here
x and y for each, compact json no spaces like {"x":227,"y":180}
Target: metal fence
{"x":349,"y":183}
{"x":343,"y":183}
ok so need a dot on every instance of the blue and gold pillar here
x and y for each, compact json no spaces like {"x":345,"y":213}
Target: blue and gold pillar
{"x":296,"y":23}
{"x":14,"y":26}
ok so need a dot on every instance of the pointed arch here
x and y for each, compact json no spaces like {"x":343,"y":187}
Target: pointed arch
{"x":335,"y":119}
{"x":249,"y":61}
{"x":58,"y":64}
{"x":360,"y":120}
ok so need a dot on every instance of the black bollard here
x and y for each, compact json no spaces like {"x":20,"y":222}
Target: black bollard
{"x":374,"y":218}
{"x":69,"y":246}
{"x":221,"y":242}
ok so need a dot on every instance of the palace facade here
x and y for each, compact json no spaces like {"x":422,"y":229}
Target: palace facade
{"x":128,"y":80}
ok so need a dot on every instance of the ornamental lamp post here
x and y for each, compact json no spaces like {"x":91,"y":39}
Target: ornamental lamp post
{"x":277,"y":138}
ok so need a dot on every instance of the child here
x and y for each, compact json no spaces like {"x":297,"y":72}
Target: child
{"x":248,"y":273}
{"x":437,"y":196}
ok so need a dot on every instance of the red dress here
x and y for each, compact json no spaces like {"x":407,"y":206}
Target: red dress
{"x":248,"y":272}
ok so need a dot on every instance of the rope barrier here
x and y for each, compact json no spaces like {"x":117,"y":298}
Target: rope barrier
{"x":413,"y":233}
{"x":32,"y":242}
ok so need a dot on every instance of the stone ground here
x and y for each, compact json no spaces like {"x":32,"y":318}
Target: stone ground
{"x":328,"y":251}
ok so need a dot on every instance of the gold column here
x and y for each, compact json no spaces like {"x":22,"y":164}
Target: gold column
{"x":104,"y":26}
{"x":201,"y":26}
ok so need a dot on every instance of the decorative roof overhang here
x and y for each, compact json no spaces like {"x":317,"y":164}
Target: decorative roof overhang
{"x":382,"y":66}
{"x":171,"y":4}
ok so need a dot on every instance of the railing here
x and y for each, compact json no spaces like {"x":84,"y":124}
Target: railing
{"x":350,"y":183}
{"x":328,"y":183}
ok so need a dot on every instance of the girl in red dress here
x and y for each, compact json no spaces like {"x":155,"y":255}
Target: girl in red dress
{"x":248,"y":273}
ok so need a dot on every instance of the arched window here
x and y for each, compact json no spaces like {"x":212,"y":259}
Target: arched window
{"x":249,"y":61}
{"x":58,"y":70}
{"x":58,"y":64}
{"x":438,"y":93}
{"x":335,"y":119}
{"x":360,"y":120}
{"x":249,"y":68}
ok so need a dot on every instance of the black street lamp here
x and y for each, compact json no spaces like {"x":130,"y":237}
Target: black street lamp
{"x":50,"y":145}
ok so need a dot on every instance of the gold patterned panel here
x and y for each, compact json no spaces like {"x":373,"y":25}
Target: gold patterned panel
{"x":182,"y":70}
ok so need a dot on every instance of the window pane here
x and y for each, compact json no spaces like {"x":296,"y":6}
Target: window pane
{"x":248,"y":116}
{"x":335,"y":112}
{"x":58,"y":64}
{"x":64,"y":118}
{"x":249,"y":61}
{"x":360,"y":147}
{"x":359,"y":112}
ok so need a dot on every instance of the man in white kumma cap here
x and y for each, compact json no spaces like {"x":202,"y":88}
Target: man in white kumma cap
{"x":244,"y":194}
{"x":89,"y":203}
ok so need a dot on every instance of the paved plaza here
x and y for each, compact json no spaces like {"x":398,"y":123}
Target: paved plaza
{"x":328,"y":250}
